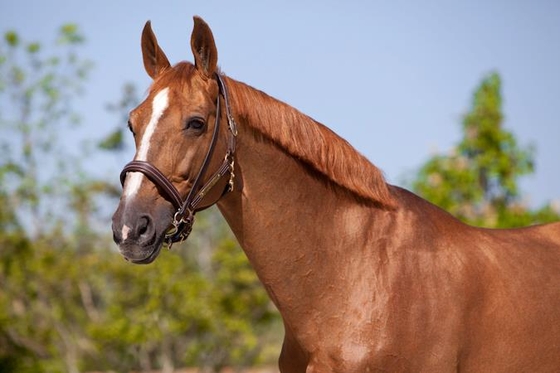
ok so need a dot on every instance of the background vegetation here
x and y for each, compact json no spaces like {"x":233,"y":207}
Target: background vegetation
{"x":478,"y":180}
{"x":69,"y":303}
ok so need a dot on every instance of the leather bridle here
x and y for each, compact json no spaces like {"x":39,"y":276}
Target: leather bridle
{"x":183,"y":218}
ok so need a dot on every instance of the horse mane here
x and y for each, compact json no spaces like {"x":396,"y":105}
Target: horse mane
{"x":315,"y":145}
{"x":312,"y":143}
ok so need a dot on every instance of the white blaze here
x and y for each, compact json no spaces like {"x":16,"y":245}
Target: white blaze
{"x":125,"y":231}
{"x":134,"y":179}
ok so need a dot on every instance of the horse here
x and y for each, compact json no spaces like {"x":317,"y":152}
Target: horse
{"x":367,"y":276}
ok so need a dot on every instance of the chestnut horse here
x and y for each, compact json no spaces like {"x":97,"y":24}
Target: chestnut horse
{"x":367,"y":276}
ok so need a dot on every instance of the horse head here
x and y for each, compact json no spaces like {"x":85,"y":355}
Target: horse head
{"x":177,"y":134}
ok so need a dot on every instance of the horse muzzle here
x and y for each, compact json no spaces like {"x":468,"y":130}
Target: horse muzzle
{"x":139,"y":236}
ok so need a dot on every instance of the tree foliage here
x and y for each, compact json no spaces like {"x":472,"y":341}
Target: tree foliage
{"x":478,"y":181}
{"x":72,"y":312}
{"x":68,"y":302}
{"x":38,"y":91}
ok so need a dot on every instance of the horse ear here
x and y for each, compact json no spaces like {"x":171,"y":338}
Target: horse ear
{"x":155,"y":61}
{"x":204,"y":48}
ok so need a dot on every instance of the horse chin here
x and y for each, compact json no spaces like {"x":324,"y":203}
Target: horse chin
{"x":141,"y":254}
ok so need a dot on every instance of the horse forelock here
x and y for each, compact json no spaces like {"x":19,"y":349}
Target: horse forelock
{"x":176,"y":77}
{"x":313,"y":144}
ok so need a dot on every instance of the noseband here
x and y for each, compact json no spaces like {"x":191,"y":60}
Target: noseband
{"x":183,"y":219}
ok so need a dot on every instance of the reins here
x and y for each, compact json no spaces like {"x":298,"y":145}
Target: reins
{"x":183,"y":218}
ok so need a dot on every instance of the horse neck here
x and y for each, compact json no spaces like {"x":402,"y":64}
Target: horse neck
{"x":295,"y":227}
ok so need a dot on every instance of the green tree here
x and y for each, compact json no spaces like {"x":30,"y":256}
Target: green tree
{"x":478,"y":181}
{"x":37,"y":93}
{"x":68,"y":301}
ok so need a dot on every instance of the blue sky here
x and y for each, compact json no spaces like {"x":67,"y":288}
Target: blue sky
{"x":393,"y":78}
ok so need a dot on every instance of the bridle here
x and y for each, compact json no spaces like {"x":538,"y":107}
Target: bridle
{"x":183,"y":219}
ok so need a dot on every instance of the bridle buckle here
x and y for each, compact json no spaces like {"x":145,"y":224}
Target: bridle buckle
{"x":182,"y":227}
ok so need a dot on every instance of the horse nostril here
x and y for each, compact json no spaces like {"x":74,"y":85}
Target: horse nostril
{"x":143,"y":224}
{"x":116,"y":238}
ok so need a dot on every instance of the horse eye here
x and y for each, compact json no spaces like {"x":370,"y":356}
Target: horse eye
{"x":195,"y":124}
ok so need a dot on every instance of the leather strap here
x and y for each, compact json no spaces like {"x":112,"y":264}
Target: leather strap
{"x":187,"y":206}
{"x":184,"y":216}
{"x":156,"y":177}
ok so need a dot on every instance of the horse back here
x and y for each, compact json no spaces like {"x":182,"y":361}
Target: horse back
{"x":490,"y":296}
{"x":515,"y":312}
